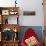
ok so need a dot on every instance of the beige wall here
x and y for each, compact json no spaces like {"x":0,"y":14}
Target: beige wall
{"x":32,"y":5}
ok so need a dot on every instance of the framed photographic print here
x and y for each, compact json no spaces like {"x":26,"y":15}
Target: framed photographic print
{"x":5,"y":12}
{"x":29,"y":13}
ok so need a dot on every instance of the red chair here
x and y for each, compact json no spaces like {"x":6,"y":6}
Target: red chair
{"x":29,"y":33}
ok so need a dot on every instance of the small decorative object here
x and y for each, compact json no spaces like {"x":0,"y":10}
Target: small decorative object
{"x":6,"y":21}
{"x":13,"y":12}
{"x":15,"y":37}
{"x":15,"y":30}
{"x":5,"y":12}
{"x":7,"y":34}
{"x":15,"y":3}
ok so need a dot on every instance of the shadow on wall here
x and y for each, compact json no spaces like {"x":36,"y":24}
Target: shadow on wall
{"x":37,"y":29}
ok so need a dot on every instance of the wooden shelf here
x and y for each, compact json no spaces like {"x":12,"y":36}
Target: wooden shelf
{"x":11,"y":26}
{"x":6,"y":13}
{"x":5,"y":8}
{"x":4,"y":24}
{"x":9,"y":43}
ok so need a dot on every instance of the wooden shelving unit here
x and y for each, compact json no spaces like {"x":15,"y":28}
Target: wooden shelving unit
{"x":5,"y":13}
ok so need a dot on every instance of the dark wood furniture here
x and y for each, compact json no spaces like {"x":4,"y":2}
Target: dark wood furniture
{"x":4,"y":13}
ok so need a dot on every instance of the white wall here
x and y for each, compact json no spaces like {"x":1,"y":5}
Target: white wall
{"x":27,"y":5}
{"x":32,"y":5}
{"x":7,"y":3}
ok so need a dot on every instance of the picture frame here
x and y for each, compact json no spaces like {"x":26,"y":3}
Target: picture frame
{"x":5,"y":12}
{"x":29,"y":13}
